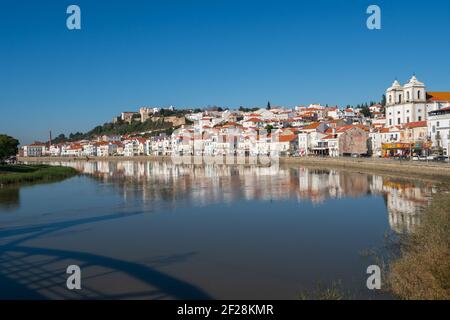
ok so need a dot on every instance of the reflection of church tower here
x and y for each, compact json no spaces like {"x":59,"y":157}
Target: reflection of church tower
{"x":406,"y":103}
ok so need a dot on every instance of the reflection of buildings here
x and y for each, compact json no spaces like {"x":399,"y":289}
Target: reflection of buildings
{"x":203,"y":184}
{"x":404,"y":200}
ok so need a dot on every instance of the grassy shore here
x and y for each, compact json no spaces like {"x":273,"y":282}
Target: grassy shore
{"x":38,"y":173}
{"x":423,"y":269}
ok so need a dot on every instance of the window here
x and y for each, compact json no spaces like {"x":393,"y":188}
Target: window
{"x":398,"y":121}
{"x":419,"y":118}
{"x":407,"y":119}
{"x":390,"y":122}
{"x":407,"y":96}
{"x":434,"y":129}
{"x":390,"y":98}
{"x":437,"y":124}
{"x":400,"y":98}
{"x":398,"y":112}
{"x":418,"y":94}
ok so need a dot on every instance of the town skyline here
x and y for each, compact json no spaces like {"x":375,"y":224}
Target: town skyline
{"x":135,"y":109}
{"x":203,"y":53}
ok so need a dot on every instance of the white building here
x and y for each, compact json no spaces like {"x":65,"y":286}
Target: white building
{"x":73,"y":150}
{"x":439,"y":129}
{"x":89,"y":150}
{"x":437,"y":100}
{"x":55,"y":150}
{"x":105,"y":149}
{"x":135,"y":147}
{"x":406,"y":103}
{"x":36,"y":149}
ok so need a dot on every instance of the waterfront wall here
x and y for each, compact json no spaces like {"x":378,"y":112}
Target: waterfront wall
{"x":411,"y":168}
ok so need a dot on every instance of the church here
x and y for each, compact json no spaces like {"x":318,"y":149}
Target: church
{"x":411,"y":102}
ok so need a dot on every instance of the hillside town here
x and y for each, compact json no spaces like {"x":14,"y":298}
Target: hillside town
{"x":412,"y":123}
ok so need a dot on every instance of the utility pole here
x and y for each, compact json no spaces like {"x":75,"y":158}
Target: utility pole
{"x":448,"y":147}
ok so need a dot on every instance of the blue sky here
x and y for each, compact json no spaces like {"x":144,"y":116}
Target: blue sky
{"x":207,"y":52}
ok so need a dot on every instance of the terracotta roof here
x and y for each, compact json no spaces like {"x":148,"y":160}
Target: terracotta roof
{"x":311,"y":126}
{"x":75,"y":147}
{"x":38,"y":144}
{"x":391,"y":129}
{"x":438,"y":96}
{"x":102,"y":143}
{"x":287,"y":138}
{"x":254,"y":120}
{"x":416,"y":124}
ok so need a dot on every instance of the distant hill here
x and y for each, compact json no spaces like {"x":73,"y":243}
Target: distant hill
{"x":152,"y":126}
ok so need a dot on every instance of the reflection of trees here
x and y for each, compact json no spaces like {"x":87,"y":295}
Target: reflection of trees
{"x":9,"y":198}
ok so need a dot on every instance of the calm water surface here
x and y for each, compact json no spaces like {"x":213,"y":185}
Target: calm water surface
{"x":155,"y":230}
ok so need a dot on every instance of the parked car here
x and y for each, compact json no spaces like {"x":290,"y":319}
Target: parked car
{"x":422,"y":158}
{"x":11,"y":160}
{"x":415,"y":158}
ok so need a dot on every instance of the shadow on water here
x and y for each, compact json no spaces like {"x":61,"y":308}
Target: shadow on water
{"x":9,"y":198}
{"x":26,"y":272}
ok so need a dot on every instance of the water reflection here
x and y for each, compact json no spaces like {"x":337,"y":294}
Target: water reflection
{"x":207,"y":184}
{"x":9,"y":198}
{"x":155,"y":230}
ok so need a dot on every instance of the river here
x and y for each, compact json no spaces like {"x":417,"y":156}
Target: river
{"x":158,"y":230}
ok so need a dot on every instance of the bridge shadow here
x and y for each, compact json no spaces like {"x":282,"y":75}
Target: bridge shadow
{"x":28,"y":272}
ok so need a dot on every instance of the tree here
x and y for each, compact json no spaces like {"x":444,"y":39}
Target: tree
{"x":383,"y":100}
{"x":268,"y":105}
{"x":365,"y":111}
{"x":8,"y":146}
{"x":59,"y":139}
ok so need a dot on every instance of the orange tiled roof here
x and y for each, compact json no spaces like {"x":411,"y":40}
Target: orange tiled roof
{"x":254,"y":120}
{"x":311,"y":126}
{"x":416,"y":124}
{"x":438,"y":96}
{"x":287,"y":138}
{"x":347,"y":127}
{"x":37,"y":144}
